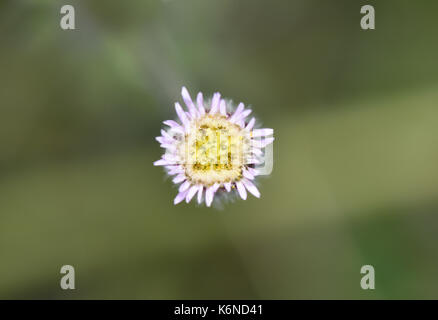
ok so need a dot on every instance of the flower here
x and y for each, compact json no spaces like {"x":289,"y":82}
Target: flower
{"x":212,"y":150}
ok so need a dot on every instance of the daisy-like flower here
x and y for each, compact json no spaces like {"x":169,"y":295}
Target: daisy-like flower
{"x":213,"y":149}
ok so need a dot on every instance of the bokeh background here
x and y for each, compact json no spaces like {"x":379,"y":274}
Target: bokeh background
{"x":355,"y":177}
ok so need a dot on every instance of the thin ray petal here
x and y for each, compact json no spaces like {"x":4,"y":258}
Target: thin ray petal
{"x":248,"y":175}
{"x":200,"y":102}
{"x":250,"y":124}
{"x":184,"y":186}
{"x":262,"y":132}
{"x":180,"y":197}
{"x":215,"y":103}
{"x":192,"y":191}
{"x":188,"y":101}
{"x":223,"y":108}
{"x":200,"y":189}
{"x":241,"y":189}
{"x":181,"y":114}
{"x":162,"y":162}
{"x":251,"y":188}
{"x":209,"y":196}
{"x":179,"y":178}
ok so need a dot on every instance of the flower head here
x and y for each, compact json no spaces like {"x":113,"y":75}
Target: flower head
{"x":212,"y":149}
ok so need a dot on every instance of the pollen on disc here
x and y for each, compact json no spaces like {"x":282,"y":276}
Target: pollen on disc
{"x":213,"y":150}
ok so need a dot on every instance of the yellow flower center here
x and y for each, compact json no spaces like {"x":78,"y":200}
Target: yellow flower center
{"x":214,"y":150}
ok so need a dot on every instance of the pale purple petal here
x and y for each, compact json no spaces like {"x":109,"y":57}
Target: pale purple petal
{"x":172,"y":124}
{"x":200,"y":189}
{"x":200,"y":102}
{"x":251,"y":188}
{"x":192,"y":191}
{"x":184,"y":186}
{"x":163,"y":140}
{"x":168,"y":146}
{"x":209,"y":196}
{"x":162,"y":162}
{"x":179,"y":130}
{"x":262,"y":132}
{"x":181,"y":114}
{"x":179,"y":178}
{"x":227,"y":186}
{"x":170,"y":157}
{"x":241,"y":190}
{"x":175,"y":170}
{"x":250,"y":124}
{"x":180,"y":197}
{"x":166,"y":135}
{"x":188,"y":101}
{"x":243,"y":115}
{"x":239,"y":109}
{"x":215,"y":103}
{"x":223,"y":108}
{"x":247,"y":174}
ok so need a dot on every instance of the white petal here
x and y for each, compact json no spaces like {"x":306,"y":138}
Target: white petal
{"x":172,"y":124}
{"x":192,"y":191}
{"x":200,"y":102}
{"x":253,"y":171}
{"x":209,"y":196}
{"x":238,"y":111}
{"x":262,"y":132}
{"x":179,"y":178}
{"x":170,"y":157}
{"x":181,"y":115}
{"x":200,"y":189}
{"x":178,"y":130}
{"x":223,"y":108}
{"x":188,"y":101}
{"x":241,"y":190}
{"x":227,"y":186}
{"x":162,"y":140}
{"x":175,"y":170}
{"x":248,"y":175}
{"x":166,"y":135}
{"x":215,"y":103}
{"x":162,"y":162}
{"x":251,"y":188}
{"x":180,"y":197}
{"x":243,"y":115}
{"x":250,"y":124}
{"x":168,"y":146}
{"x":184,"y":186}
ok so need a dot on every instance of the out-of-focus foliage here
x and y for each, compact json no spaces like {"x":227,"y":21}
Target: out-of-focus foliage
{"x":355,"y":175}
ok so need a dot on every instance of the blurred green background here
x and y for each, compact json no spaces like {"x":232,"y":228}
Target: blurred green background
{"x":355,"y":177}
